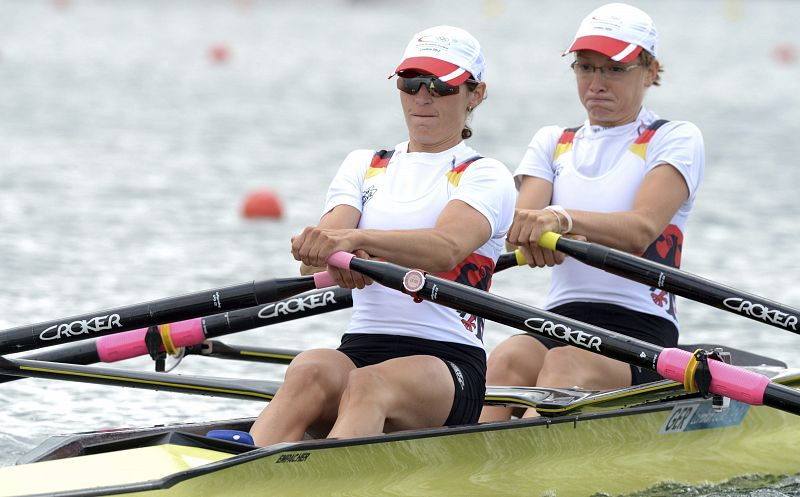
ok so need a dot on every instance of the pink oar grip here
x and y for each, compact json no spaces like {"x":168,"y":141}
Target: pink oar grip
{"x":730,"y":381}
{"x":323,"y":279}
{"x":186,"y":333}
{"x":340,"y":259}
{"x":112,"y":348}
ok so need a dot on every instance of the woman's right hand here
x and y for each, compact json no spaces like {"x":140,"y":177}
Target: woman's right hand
{"x":525,"y":231}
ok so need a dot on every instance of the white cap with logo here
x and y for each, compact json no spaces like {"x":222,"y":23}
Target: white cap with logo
{"x":618,"y":31}
{"x":451,"y":54}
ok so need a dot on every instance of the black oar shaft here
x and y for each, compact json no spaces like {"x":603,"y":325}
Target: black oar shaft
{"x":782,"y":397}
{"x":310,"y":304}
{"x":509,"y":260}
{"x":146,"y":314}
{"x":681,"y":283}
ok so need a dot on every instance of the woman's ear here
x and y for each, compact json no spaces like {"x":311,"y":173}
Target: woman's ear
{"x":477,"y":95}
{"x":652,"y":73}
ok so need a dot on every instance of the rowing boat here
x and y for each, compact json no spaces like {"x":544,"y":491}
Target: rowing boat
{"x":615,"y":442}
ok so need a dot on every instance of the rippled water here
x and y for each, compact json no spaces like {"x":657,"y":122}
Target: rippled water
{"x":126,"y":153}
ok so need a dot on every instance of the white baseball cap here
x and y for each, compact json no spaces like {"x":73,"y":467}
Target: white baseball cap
{"x":618,"y":31}
{"x":451,"y":54}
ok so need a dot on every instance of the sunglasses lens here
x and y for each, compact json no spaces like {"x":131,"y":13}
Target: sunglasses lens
{"x":434,"y":86}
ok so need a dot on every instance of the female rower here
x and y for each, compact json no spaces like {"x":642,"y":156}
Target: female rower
{"x":432,"y":203}
{"x":626,"y":179}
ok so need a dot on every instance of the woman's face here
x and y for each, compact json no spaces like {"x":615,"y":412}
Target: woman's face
{"x":614,"y":96}
{"x":435,"y":122}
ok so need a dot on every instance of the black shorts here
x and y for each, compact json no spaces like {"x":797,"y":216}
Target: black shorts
{"x":639,"y":325}
{"x":467,"y":365}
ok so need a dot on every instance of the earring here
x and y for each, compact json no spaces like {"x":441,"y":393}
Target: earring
{"x":469,"y":108}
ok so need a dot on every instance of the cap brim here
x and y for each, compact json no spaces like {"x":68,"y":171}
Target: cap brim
{"x":447,"y":72}
{"x":620,"y":51}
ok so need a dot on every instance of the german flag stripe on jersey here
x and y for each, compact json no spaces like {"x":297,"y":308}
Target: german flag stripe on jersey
{"x":454,"y":175}
{"x":565,"y":142}
{"x":639,"y":147}
{"x":379,"y":162}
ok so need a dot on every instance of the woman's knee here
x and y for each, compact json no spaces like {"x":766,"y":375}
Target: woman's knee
{"x":560,"y":360}
{"x":568,"y":367}
{"x":506,"y":355}
{"x":365,"y":383}
{"x":312,"y":376}
{"x":514,"y":360}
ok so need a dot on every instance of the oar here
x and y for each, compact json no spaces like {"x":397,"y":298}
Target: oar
{"x":676,"y":281}
{"x":156,"y":312}
{"x":194,"y":331}
{"x":112,"y":348}
{"x":218,"y":387}
{"x":672,"y":363}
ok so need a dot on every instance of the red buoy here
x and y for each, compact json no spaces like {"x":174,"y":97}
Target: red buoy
{"x":262,"y":204}
{"x":785,"y":53}
{"x":219,"y":53}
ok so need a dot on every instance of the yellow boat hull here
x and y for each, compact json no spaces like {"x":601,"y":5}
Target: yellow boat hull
{"x":615,"y":452}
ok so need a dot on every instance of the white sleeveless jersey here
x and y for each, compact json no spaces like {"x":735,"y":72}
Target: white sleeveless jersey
{"x":601,"y":169}
{"x":400,"y":190}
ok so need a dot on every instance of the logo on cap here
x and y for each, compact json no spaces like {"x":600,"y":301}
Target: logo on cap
{"x":433,"y":39}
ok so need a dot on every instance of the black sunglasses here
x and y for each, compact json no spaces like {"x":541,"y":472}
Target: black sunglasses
{"x":435,"y":86}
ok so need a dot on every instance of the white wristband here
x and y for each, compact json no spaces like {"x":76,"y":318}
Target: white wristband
{"x":560,"y":210}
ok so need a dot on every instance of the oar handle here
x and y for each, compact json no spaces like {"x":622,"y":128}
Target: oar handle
{"x":730,"y":381}
{"x":323,"y":279}
{"x":340,"y":259}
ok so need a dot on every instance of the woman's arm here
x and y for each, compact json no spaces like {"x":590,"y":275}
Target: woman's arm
{"x":459,"y":231}
{"x":659,"y":197}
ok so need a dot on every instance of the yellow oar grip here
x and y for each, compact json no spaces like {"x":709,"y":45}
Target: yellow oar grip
{"x":548,"y":240}
{"x":520,"y":258}
{"x":166,"y":339}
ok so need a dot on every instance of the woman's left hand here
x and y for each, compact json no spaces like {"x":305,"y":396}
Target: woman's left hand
{"x":315,"y":245}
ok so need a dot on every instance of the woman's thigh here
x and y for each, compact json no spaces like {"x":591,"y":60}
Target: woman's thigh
{"x":417,"y":391}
